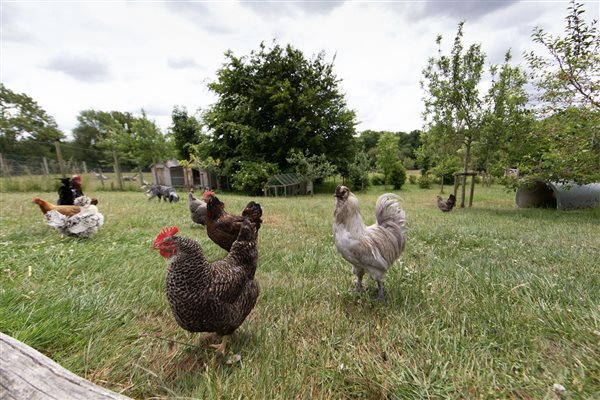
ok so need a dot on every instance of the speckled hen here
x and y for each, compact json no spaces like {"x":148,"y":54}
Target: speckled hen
{"x":210,"y":297}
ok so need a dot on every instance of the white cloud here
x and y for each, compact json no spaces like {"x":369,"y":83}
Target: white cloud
{"x":125,"y":56}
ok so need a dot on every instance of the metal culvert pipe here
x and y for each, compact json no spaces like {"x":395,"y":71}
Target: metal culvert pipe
{"x":561,"y":196}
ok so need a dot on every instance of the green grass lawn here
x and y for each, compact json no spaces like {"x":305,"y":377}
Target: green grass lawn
{"x":488,"y":302}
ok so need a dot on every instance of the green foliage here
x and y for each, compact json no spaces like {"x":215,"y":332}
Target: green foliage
{"x":25,"y":127}
{"x":568,"y":76}
{"x":359,"y":172}
{"x":564,"y":147}
{"x":186,"y":131}
{"x":275,"y":100}
{"x":425,"y":181}
{"x":251,"y":176}
{"x":398,"y":175}
{"x":387,"y":154}
{"x":147,"y":144}
{"x":377,"y":178}
{"x":453,"y":107}
{"x":408,"y":143}
{"x":311,"y":167}
{"x":100,"y":133}
{"x":506,"y":120}
{"x":412,"y":179}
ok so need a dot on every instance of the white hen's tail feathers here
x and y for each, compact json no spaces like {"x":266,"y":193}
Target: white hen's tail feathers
{"x":389,"y":233}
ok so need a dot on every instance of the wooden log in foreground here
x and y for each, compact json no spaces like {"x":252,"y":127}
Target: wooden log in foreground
{"x":26,"y":373}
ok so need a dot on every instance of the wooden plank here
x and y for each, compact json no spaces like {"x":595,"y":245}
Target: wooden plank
{"x":28,"y":374}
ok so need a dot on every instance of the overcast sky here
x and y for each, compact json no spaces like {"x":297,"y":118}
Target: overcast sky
{"x":128,"y":55}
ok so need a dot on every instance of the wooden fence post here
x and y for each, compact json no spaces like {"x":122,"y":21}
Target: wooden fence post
{"x":3,"y":166}
{"x":61,"y":162}
{"x":45,"y":166}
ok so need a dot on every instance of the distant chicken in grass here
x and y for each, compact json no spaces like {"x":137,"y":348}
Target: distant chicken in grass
{"x":448,"y":205}
{"x":222,"y":227}
{"x":80,"y":220}
{"x":210,"y":297}
{"x":370,"y":249}
{"x":197,"y":209}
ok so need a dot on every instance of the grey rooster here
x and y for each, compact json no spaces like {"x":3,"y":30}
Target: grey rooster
{"x":448,"y":205}
{"x":370,"y":249}
{"x":210,"y":297}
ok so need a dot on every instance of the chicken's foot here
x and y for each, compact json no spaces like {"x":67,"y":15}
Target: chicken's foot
{"x":220,"y":348}
{"x":359,"y":278}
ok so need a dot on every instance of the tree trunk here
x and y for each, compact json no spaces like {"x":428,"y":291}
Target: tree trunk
{"x":465,"y":170}
{"x":117,"y":169}
{"x":61,"y":162}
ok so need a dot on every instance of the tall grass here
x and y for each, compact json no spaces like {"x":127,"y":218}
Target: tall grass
{"x":489,"y":302}
{"x":51,"y":183}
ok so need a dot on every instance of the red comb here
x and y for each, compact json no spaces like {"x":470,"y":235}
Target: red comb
{"x":207,"y":193}
{"x":165,"y":232}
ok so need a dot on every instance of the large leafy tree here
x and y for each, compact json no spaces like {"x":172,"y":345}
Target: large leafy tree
{"x":147,"y":144}
{"x":186,"y":131}
{"x":408,"y":143}
{"x":506,"y":122}
{"x":568,"y":73}
{"x":100,"y":132}
{"x":275,"y":101}
{"x":388,"y":154}
{"x":26,"y":130}
{"x":565,"y":143}
{"x":453,"y":106}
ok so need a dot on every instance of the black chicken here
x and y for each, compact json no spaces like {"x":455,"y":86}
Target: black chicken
{"x":448,"y":205}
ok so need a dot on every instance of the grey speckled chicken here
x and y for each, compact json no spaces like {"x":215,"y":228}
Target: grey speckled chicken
{"x":197,"y":209}
{"x":210,"y":297}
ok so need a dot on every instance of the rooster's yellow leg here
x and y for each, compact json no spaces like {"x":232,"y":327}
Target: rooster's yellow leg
{"x":220,"y":348}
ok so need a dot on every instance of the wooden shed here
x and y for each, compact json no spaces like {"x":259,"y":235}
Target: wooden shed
{"x":285,"y":185}
{"x":170,"y":173}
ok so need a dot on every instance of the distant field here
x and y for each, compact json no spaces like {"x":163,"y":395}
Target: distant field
{"x":489,"y":302}
{"x":51,"y":183}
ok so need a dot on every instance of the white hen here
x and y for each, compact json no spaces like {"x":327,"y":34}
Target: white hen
{"x":370,"y":249}
{"x":83,"y":224}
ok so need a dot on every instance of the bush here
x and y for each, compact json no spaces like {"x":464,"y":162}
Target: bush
{"x":424,"y":182}
{"x":377,"y":178}
{"x":398,"y":176}
{"x":359,"y":179}
{"x":412,"y":179}
{"x":252,"y":176}
{"x":358,"y":174}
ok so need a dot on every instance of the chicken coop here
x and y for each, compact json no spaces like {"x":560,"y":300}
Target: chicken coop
{"x":560,"y":196}
{"x":170,"y":173}
{"x":285,"y":185}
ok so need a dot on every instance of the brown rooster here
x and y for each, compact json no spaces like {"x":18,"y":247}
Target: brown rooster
{"x":45,"y":206}
{"x":210,"y":297}
{"x":222,"y":227}
{"x":370,"y":249}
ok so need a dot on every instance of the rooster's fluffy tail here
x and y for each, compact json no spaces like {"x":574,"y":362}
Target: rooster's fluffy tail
{"x":392,"y":219}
